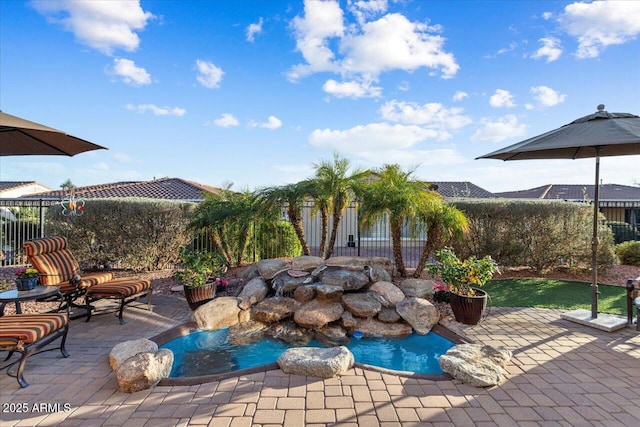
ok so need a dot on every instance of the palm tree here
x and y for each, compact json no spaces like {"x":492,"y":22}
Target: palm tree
{"x":228,"y":219}
{"x":443,"y":222}
{"x":395,"y":194}
{"x":334,"y":192}
{"x":293,"y":196}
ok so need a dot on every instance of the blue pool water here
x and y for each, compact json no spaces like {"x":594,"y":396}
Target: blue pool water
{"x":209,"y":352}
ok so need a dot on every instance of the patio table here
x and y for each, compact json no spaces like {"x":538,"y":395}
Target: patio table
{"x":37,"y":293}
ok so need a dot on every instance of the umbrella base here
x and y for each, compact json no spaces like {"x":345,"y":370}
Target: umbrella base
{"x":604,"y":322}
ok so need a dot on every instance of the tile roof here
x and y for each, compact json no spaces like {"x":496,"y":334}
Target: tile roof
{"x":462,"y":189}
{"x":163,"y":188}
{"x":575,"y":192}
{"x":10,"y":185}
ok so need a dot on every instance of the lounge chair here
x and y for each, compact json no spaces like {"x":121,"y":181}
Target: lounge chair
{"x":28,"y":333}
{"x":58,"y":267}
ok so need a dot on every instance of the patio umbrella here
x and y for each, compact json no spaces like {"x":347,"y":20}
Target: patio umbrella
{"x":20,"y":137}
{"x":596,"y":135}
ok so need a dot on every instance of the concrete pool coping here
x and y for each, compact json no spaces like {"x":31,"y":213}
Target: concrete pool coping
{"x":189,"y":327}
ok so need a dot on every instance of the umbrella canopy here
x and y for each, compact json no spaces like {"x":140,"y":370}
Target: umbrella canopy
{"x":20,"y":137}
{"x":596,"y":135}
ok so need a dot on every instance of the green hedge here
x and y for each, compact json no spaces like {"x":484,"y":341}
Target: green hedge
{"x":539,"y":234}
{"x":143,"y":234}
{"x":629,"y":253}
{"x":277,"y":241}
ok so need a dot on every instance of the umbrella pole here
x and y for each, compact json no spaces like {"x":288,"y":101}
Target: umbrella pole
{"x":594,"y":241}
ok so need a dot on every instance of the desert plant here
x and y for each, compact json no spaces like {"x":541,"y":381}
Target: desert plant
{"x":198,"y":267}
{"x":461,"y":275}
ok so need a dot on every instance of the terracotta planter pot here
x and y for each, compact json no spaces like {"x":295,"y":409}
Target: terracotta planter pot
{"x":469,"y":310}
{"x":199,"y":295}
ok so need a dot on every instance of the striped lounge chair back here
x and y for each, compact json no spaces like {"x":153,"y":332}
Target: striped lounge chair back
{"x":52,"y":259}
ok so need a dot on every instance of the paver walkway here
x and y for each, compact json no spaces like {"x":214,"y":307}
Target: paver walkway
{"x":561,"y":374}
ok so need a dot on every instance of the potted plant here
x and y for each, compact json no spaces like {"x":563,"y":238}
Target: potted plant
{"x":198,"y":275}
{"x":26,"y":278}
{"x":464,"y":278}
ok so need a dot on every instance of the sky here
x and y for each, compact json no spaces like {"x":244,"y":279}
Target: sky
{"x":255,"y":93}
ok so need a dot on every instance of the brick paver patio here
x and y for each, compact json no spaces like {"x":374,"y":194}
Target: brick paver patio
{"x":561,"y":374}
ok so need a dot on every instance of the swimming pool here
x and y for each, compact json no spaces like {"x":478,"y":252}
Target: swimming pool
{"x":203,"y":353}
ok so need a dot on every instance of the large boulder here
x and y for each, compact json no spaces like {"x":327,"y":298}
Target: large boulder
{"x":306,"y":263}
{"x":374,"y":328}
{"x":305,"y":293}
{"x":290,"y":333}
{"x":388,"y":315}
{"x":421,"y":314}
{"x":328,"y":292}
{"x":253,"y":292}
{"x":144,"y":370}
{"x":218,"y":313}
{"x":418,"y":288}
{"x":269,"y":268}
{"x":377,"y":273}
{"x":315,"y":314}
{"x":247,"y":332}
{"x":127,"y":349}
{"x":361,"y":304}
{"x":475,"y":364}
{"x":390,"y":292}
{"x":316,"y":362}
{"x":346,"y":279}
{"x":273,"y":310}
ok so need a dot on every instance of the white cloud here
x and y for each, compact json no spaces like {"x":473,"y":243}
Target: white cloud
{"x":502,"y":98}
{"x":122,"y":157}
{"x":366,"y":49}
{"x":101,"y":25}
{"x":130,"y":73}
{"x":209,"y":75}
{"x":460,"y":95}
{"x":600,"y":24}
{"x":321,"y":21}
{"x":157,"y":111}
{"x":550,"y":49}
{"x":499,"y":130}
{"x":227,"y":120}
{"x":547,"y":15}
{"x":546,"y":96}
{"x":393,"y":42}
{"x":371,"y":137}
{"x":272,"y":123}
{"x":352,"y":89}
{"x":432,"y":115}
{"x":254,"y":29}
{"x":366,"y":9}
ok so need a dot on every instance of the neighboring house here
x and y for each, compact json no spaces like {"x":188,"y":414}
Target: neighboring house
{"x":619,"y":203}
{"x":162,"y":188}
{"x":14,"y":189}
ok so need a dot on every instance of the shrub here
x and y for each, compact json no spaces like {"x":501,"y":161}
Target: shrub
{"x":629,"y":253}
{"x":277,"y":241}
{"x":539,"y":234}
{"x":143,"y":234}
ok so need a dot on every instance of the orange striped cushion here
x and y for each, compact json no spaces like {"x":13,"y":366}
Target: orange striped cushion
{"x":119,"y":288}
{"x":52,"y":259}
{"x":29,"y":328}
{"x":86,"y":281}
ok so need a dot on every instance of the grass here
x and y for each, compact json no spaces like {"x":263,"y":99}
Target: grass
{"x":553,"y":293}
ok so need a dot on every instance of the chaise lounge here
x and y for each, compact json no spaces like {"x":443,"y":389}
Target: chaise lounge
{"x":58,"y":267}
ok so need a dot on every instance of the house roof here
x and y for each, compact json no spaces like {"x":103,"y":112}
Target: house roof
{"x":12,"y":185}
{"x":163,"y":188}
{"x":612,"y":192}
{"x":462,"y":189}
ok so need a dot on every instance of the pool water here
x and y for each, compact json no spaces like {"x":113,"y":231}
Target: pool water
{"x":209,"y":352}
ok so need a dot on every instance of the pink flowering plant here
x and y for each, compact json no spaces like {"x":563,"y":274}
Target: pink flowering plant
{"x":26,"y":273}
{"x":462,"y":275}
{"x":441,"y":292}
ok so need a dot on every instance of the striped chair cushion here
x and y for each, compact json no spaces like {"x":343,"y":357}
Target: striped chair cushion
{"x":57,"y":265}
{"x":52,"y":259}
{"x":119,"y":288}
{"x":28,"y":328}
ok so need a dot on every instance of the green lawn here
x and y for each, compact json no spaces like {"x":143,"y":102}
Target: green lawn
{"x":552,"y":293}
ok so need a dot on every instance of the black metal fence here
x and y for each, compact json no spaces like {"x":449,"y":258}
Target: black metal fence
{"x":23,"y":219}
